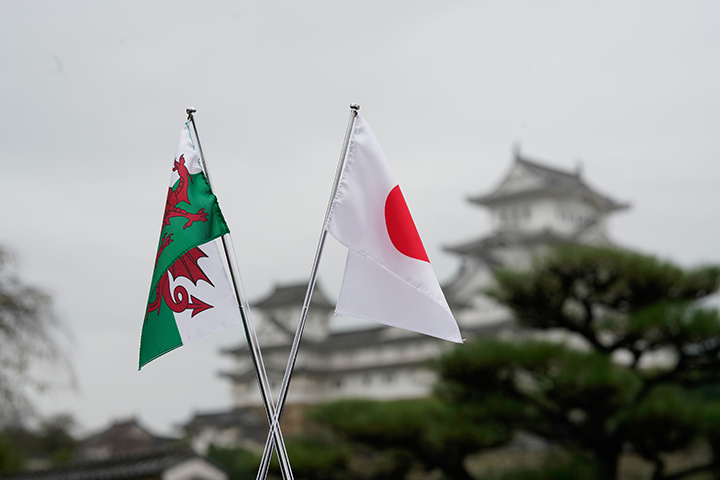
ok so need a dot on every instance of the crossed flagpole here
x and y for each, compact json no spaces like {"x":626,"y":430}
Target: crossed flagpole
{"x":401,"y":242}
{"x":274,"y":411}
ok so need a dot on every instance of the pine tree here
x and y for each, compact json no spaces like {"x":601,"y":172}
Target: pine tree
{"x":615,"y":352}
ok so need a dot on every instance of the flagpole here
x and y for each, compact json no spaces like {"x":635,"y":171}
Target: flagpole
{"x":250,"y":333}
{"x":267,"y":452}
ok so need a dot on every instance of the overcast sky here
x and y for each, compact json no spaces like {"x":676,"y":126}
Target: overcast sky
{"x":93,"y":99}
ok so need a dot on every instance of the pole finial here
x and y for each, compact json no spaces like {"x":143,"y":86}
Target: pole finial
{"x":355,"y":106}
{"x":190,"y":112}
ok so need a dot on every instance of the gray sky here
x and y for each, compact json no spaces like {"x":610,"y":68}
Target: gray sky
{"x":94,"y":95}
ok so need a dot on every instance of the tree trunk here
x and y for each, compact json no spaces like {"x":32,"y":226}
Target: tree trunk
{"x":608,"y":464}
{"x":659,"y":472}
{"x":456,"y":472}
{"x":715,"y":447}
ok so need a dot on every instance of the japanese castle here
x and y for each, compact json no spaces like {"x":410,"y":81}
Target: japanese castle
{"x":533,"y":208}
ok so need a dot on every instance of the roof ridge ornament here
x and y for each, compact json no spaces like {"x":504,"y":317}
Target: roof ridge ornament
{"x":579,"y":167}
{"x":516,"y":146}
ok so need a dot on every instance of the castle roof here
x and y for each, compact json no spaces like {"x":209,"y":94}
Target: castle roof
{"x":530,"y":179}
{"x":483,"y":246}
{"x":146,"y":465}
{"x":253,"y":425}
{"x":121,"y":437}
{"x":293,"y":295}
{"x":351,"y":340}
{"x":245,"y":417}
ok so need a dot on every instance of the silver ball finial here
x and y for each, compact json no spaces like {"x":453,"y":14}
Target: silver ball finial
{"x":355,"y":106}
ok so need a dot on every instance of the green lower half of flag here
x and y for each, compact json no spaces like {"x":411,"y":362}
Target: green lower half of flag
{"x":160,"y":334}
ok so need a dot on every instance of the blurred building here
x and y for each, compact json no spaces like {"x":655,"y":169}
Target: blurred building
{"x":127,"y":450}
{"x":159,"y":463}
{"x":121,"y":438}
{"x":237,"y":428}
{"x":533,"y":208}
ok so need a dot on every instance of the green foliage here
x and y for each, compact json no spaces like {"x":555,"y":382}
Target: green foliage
{"x":431,"y":432}
{"x":571,"y":287}
{"x":311,"y":456}
{"x":555,"y":468}
{"x":240,"y":464}
{"x":51,"y":440}
{"x":55,"y":437}
{"x":667,"y":419}
{"x":62,"y":456}
{"x":12,"y":459}
{"x":551,"y":372}
{"x":631,"y":361}
{"x":316,"y":457}
{"x":614,"y":305}
{"x":538,"y":385}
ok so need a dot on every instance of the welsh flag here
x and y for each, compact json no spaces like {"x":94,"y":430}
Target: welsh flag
{"x":388,"y":277}
{"x":191,"y":294}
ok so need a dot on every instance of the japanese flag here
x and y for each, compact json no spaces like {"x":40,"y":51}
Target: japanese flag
{"x":388,"y":277}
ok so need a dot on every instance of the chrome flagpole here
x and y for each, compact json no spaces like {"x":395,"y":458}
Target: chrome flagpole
{"x":267,"y":452}
{"x":275,"y":435}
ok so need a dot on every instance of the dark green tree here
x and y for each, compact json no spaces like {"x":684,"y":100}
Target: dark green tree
{"x":313,"y":456}
{"x":240,"y":464}
{"x":427,"y":433}
{"x":316,"y":456}
{"x":51,"y":441}
{"x":615,"y":353}
{"x":12,"y":458}
{"x":55,"y":437}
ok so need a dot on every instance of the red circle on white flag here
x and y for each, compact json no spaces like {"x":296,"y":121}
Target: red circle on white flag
{"x":401,"y":228}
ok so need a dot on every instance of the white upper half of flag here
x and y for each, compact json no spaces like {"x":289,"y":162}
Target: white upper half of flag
{"x":188,"y":150}
{"x":369,"y":216}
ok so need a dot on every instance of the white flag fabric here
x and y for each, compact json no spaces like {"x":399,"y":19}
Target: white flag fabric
{"x":388,"y":277}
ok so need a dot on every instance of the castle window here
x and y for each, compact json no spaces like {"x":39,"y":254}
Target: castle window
{"x":515,"y":214}
{"x":572,"y":215}
{"x":504,"y":214}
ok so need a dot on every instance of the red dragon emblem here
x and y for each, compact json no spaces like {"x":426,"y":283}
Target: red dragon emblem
{"x":187,"y":265}
{"x":180,"y":194}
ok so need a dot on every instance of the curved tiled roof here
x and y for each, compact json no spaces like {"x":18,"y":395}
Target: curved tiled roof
{"x":148,"y":464}
{"x":549,"y":180}
{"x":293,"y":295}
{"x":360,"y":339}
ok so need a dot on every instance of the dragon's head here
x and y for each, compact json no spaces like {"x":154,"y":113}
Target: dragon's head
{"x":180,"y":162}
